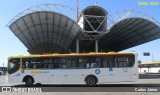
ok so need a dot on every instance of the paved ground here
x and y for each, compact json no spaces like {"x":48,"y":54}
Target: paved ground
{"x":145,"y":81}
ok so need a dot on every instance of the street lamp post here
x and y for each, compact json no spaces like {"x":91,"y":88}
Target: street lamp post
{"x":3,"y":68}
{"x":152,"y":58}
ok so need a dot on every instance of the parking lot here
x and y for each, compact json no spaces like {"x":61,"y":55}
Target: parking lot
{"x":146,"y":80}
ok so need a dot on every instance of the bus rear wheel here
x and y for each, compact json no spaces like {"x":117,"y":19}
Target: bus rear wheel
{"x":91,"y":81}
{"x":29,"y":81}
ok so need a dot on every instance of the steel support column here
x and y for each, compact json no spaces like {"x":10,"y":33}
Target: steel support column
{"x":77,"y":46}
{"x":96,"y":46}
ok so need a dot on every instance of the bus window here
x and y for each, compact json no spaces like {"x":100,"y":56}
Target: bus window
{"x":85,"y":61}
{"x":91,"y":62}
{"x":146,"y":65}
{"x":44,"y":63}
{"x":75,"y":63}
{"x":37,"y":63}
{"x":94,"y":62}
{"x":103,"y":62}
{"x":13,"y":65}
{"x":80,"y":62}
{"x":107,"y":61}
{"x":33,"y":63}
{"x":69,"y":62}
{"x":124,"y":61}
{"x":24,"y":64}
{"x":131,"y":60}
{"x":140,"y":66}
{"x":28,"y":63}
{"x":72,"y":62}
{"x":111,"y":61}
{"x":59,"y":62}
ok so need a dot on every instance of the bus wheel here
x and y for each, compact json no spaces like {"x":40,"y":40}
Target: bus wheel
{"x":29,"y":81}
{"x":38,"y":84}
{"x":91,"y":81}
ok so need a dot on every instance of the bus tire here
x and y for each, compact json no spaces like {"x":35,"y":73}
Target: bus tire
{"x":29,"y":81}
{"x":38,"y":84}
{"x":91,"y":80}
{"x":0,"y":73}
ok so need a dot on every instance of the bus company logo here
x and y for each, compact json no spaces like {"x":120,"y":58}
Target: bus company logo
{"x":6,"y":89}
{"x":39,"y":72}
{"x":97,"y":71}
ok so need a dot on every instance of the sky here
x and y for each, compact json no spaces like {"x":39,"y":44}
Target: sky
{"x":10,"y":45}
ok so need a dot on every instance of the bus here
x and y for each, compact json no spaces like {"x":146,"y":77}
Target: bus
{"x":149,"y":67}
{"x":3,"y":70}
{"x":74,"y":68}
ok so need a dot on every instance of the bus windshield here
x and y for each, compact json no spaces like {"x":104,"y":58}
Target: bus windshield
{"x":13,"y":65}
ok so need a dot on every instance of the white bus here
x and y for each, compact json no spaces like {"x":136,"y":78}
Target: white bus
{"x":150,"y":67}
{"x":3,"y":70}
{"x":87,"y":68}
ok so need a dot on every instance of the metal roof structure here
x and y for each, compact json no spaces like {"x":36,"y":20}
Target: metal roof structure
{"x":45,"y":31}
{"x":50,"y":28}
{"x":128,"y":33}
{"x":94,"y":16}
{"x":93,"y":21}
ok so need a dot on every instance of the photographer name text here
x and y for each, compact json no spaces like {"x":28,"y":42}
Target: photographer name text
{"x":148,"y":3}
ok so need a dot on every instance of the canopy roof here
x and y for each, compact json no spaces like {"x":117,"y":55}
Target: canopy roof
{"x":52,"y":32}
{"x":128,"y":33}
{"x":45,"y":32}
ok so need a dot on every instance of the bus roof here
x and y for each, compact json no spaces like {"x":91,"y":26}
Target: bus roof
{"x":71,"y":54}
{"x":149,"y":63}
